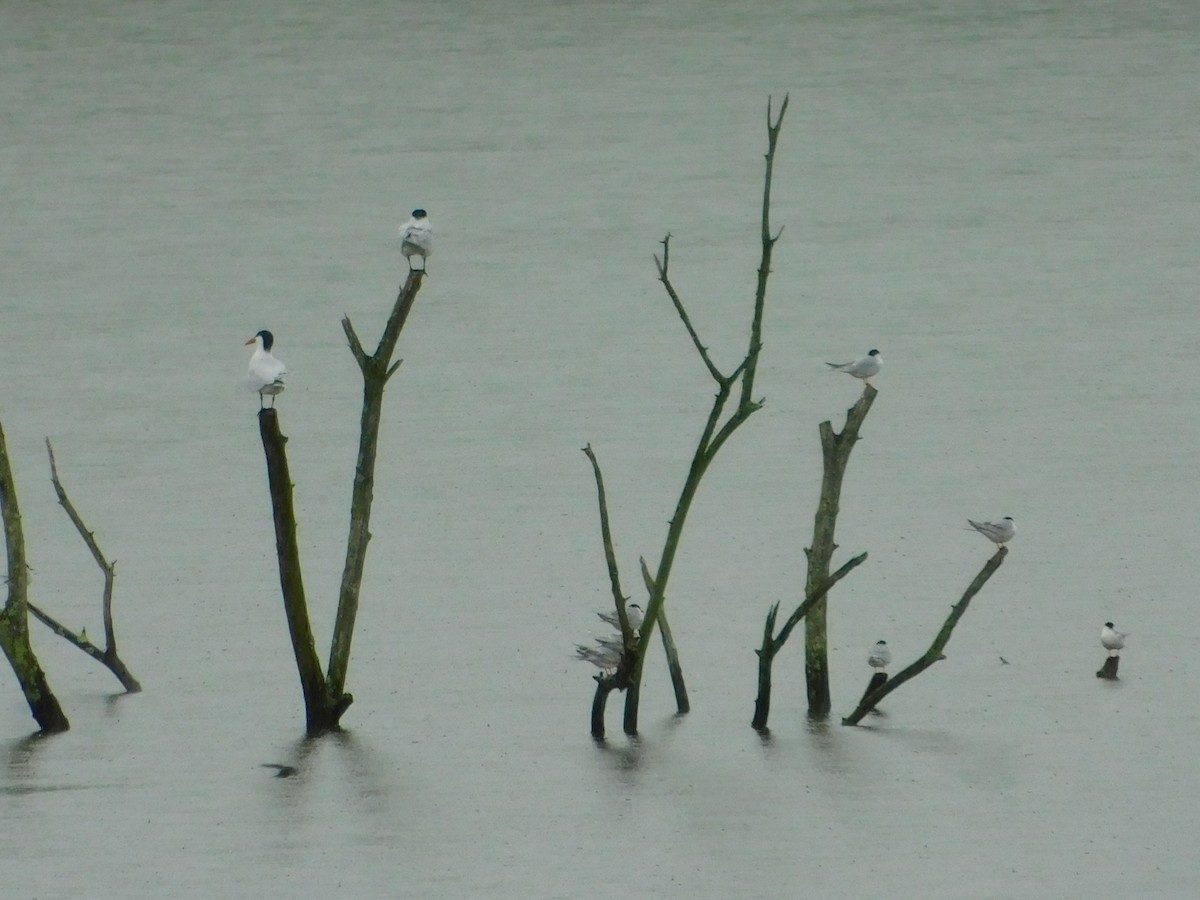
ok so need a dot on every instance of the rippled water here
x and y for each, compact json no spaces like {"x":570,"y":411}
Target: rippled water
{"x":1000,"y":196}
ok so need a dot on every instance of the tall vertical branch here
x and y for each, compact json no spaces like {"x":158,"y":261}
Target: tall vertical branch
{"x":14,"y":617}
{"x":376,"y":370}
{"x":835,"y":449}
{"x":714,"y":435}
{"x":317,"y":700}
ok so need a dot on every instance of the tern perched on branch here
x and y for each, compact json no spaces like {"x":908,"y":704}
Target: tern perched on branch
{"x":880,"y":656}
{"x":416,"y":238}
{"x":997,"y":532}
{"x":633,"y":613}
{"x":1113,"y":640}
{"x":266,"y":372}
{"x":606,"y":658}
{"x":864,"y":368}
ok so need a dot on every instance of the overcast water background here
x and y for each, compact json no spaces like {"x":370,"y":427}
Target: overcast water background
{"x":1000,"y":196}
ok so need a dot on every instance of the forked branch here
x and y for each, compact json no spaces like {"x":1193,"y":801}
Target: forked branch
{"x":108,"y":656}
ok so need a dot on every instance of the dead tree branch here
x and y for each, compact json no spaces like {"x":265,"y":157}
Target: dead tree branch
{"x":935,"y":651}
{"x":14,"y":617}
{"x":713,"y":437}
{"x":108,"y":657}
{"x":772,"y":643}
{"x":835,"y":448}
{"x":325,"y":696}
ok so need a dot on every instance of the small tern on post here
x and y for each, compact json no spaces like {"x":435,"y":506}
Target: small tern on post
{"x":416,"y":239}
{"x":1113,"y":640}
{"x":864,"y":368}
{"x":880,"y":656}
{"x":997,"y":532}
{"x":266,"y":372}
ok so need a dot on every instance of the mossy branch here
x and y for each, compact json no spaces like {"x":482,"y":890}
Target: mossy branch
{"x":715,"y":434}
{"x":835,"y":450}
{"x":14,"y":617}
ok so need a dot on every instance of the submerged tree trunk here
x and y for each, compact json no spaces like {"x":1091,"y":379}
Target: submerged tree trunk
{"x":14,"y":618}
{"x":325,"y":697}
{"x":835,"y":449}
{"x":319,"y":705}
{"x":772,"y":643}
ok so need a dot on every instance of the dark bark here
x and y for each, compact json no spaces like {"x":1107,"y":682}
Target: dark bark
{"x":319,"y":704}
{"x":603,"y":689}
{"x":934,"y":653}
{"x":878,"y":680}
{"x":14,"y":617}
{"x":835,"y":449}
{"x":1109,"y":669}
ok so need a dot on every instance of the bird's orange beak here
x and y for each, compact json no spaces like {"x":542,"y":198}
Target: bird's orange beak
{"x":252,"y":340}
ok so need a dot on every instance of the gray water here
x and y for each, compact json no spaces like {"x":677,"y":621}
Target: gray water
{"x":1000,"y":196}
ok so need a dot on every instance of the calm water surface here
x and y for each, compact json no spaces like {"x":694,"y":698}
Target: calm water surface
{"x":999,"y":196}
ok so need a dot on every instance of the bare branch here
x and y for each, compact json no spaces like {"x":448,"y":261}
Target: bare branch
{"x":610,"y":556}
{"x":934,"y":653}
{"x":356,"y":347}
{"x":89,"y":538}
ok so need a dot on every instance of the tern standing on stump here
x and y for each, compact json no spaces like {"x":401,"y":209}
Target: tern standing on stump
{"x":878,"y":659}
{"x":997,"y":532}
{"x":416,"y":239}
{"x":864,"y":368}
{"x":1113,"y":641}
{"x":880,"y":656}
{"x":266,"y":372}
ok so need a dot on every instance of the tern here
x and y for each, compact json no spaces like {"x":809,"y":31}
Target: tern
{"x":864,"y":368}
{"x":602,"y":658}
{"x":1112,"y":639}
{"x":416,"y":238}
{"x":997,"y":532}
{"x":266,"y":372}
{"x":880,"y":656}
{"x":633,"y":613}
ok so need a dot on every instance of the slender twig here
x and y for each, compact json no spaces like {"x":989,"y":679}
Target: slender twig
{"x":610,"y":556}
{"x":935,"y":651}
{"x":683,"y":315}
{"x":89,"y":538}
